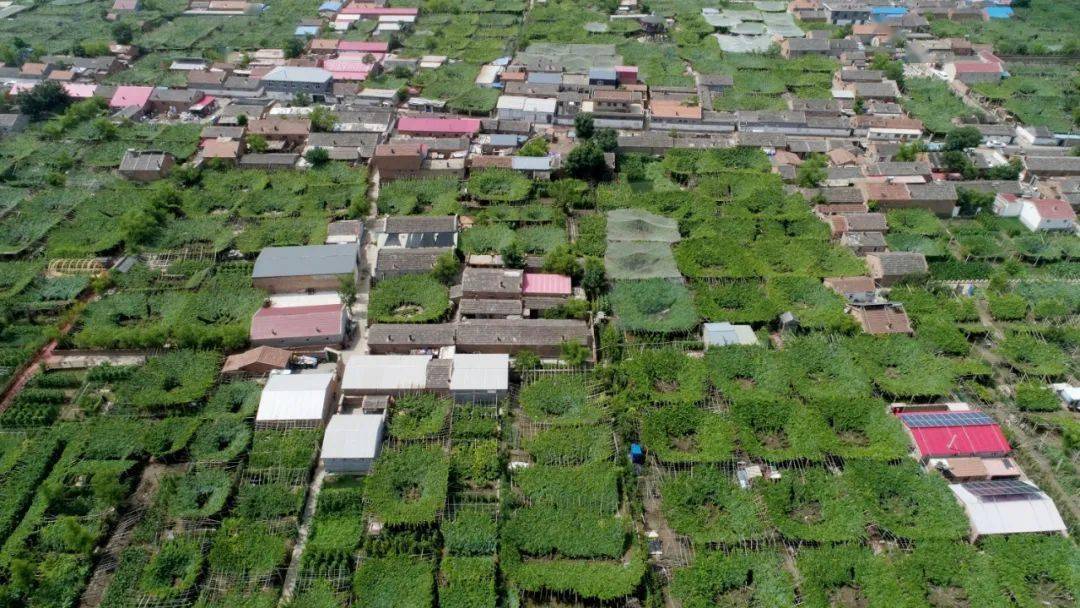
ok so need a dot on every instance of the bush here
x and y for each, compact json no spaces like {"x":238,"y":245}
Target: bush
{"x":653,"y":305}
{"x":409,"y":299}
{"x":468,"y":582}
{"x":408,"y":486}
{"x":570,"y":445}
{"x":499,"y":186}
{"x":687,"y":433}
{"x":1007,"y":307}
{"x":220,"y":440}
{"x":173,"y":570}
{"x":471,"y":531}
{"x":739,"y":578}
{"x":418,"y":415}
{"x":560,"y":399}
{"x":391,"y":582}
{"x":172,"y":381}
{"x":565,"y":531}
{"x":1036,"y":397}
{"x":1031,"y":355}
{"x":407,"y":196}
{"x":200,"y":494}
{"x":709,"y":507}
{"x":247,"y":549}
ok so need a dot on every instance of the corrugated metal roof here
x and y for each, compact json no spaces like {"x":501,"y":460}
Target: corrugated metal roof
{"x":355,"y":436}
{"x":294,"y":397}
{"x":386,"y":372}
{"x":480,"y":373}
{"x":305,"y":260}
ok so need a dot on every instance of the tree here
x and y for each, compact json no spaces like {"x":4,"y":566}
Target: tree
{"x":108,"y":489}
{"x":958,"y":162}
{"x":301,"y":100}
{"x":294,"y":47}
{"x":446,"y":269}
{"x":893,"y":70}
{"x":910,"y":151}
{"x":583,"y":125}
{"x":526,"y":360}
{"x":49,"y":97}
{"x":562,"y":260}
{"x":317,"y":156}
{"x":322,"y":119}
{"x":607,"y":139}
{"x":586,"y":161}
{"x":513,"y":256}
{"x":973,"y":201}
{"x":569,"y":194}
{"x":188,"y":175}
{"x":347,"y":290}
{"x":860,"y":106}
{"x":257,"y":144}
{"x":594,"y":278}
{"x":574,"y":353}
{"x":137,"y":226}
{"x":1008,"y":172}
{"x":812,"y":172}
{"x":537,"y":146}
{"x":962,"y":138}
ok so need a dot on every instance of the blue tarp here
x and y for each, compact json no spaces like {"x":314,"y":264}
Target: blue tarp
{"x":330,"y":6}
{"x":879,"y":14}
{"x":306,"y":30}
{"x":999,"y":12}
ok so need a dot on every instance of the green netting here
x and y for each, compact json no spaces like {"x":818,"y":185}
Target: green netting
{"x":640,"y":260}
{"x":640,"y":225}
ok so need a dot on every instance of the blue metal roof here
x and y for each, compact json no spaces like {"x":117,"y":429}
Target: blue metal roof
{"x":306,"y":30}
{"x":888,"y":10}
{"x":330,"y":6}
{"x":999,"y":12}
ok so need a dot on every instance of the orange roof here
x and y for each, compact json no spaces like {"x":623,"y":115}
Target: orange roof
{"x":883,"y":192}
{"x":513,"y":76}
{"x":674,"y":109}
{"x":221,"y":148}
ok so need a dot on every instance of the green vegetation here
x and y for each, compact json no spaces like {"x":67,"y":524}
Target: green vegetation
{"x":409,"y":299}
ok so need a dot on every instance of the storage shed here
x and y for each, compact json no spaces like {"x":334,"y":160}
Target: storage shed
{"x":385,"y":374}
{"x":310,"y":267}
{"x":726,"y":334}
{"x":1007,"y":506}
{"x":295,"y":400}
{"x":480,"y":378}
{"x":352,"y":442}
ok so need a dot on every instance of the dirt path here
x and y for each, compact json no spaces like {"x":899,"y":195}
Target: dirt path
{"x":109,"y":557}
{"x":293,"y":573}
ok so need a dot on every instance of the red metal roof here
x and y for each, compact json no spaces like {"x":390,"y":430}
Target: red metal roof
{"x":972,"y":67}
{"x":456,"y":126}
{"x":297,"y":322}
{"x":1053,"y":209}
{"x":361,"y":46}
{"x":969,"y":440}
{"x":371,"y":9}
{"x":127,"y":96}
{"x":536,"y":283}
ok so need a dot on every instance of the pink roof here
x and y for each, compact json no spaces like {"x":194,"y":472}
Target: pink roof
{"x":968,"y":440}
{"x":127,"y":96}
{"x":297,"y":322}
{"x":125,"y":5}
{"x":360,"y":55}
{"x":457,"y":126}
{"x":541,"y":284}
{"x":626,"y":69}
{"x":371,"y":9}
{"x":336,"y":65}
{"x":79,"y":90}
{"x":347,"y":75}
{"x":368,"y":47}
{"x":21,"y":87}
{"x":979,"y":67}
{"x":205,"y":101}
{"x":1053,"y":209}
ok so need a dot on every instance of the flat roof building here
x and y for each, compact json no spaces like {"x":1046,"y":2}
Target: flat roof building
{"x":295,"y":400}
{"x":352,"y":442}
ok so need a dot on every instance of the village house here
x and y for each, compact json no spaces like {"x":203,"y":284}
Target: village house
{"x":880,"y":318}
{"x":304,"y":326}
{"x":260,"y":360}
{"x":352,"y":442}
{"x":280,"y":133}
{"x":438,"y":127}
{"x":285,"y":82}
{"x":305,"y":268}
{"x":856,"y":290}
{"x":890,"y":267}
{"x":1041,"y":215}
{"x":146,"y":166}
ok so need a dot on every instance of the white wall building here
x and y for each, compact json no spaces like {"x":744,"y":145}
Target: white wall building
{"x":530,"y":109}
{"x":1047,"y":214}
{"x":480,"y":378}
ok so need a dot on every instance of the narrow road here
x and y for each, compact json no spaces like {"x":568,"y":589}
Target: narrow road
{"x":293,"y":573}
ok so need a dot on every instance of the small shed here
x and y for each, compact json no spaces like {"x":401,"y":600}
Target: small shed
{"x":295,"y":400}
{"x":480,"y":378}
{"x":259,"y":360}
{"x":727,"y":334}
{"x":953,"y":434}
{"x":300,"y":326}
{"x":146,"y":166}
{"x":352,"y":442}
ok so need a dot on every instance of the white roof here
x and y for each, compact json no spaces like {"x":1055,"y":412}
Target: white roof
{"x":488,"y":74}
{"x":293,"y":73}
{"x":724,"y":333}
{"x":480,"y":373}
{"x":294,"y":397}
{"x":1034,"y":513}
{"x":527,"y":104}
{"x":1067,"y":392}
{"x":386,"y":372}
{"x":290,"y":300}
{"x":352,"y":436}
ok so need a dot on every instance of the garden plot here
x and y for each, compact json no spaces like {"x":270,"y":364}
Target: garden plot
{"x":626,"y":260}
{"x":409,"y":299}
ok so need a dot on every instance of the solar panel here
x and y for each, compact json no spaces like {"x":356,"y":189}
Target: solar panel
{"x":1001,"y":487}
{"x":917,"y":421}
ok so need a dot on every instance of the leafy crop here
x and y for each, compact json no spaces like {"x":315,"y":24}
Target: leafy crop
{"x":408,"y":486}
{"x":389,"y":582}
{"x":709,"y":507}
{"x":419,"y":415}
{"x":408,"y":299}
